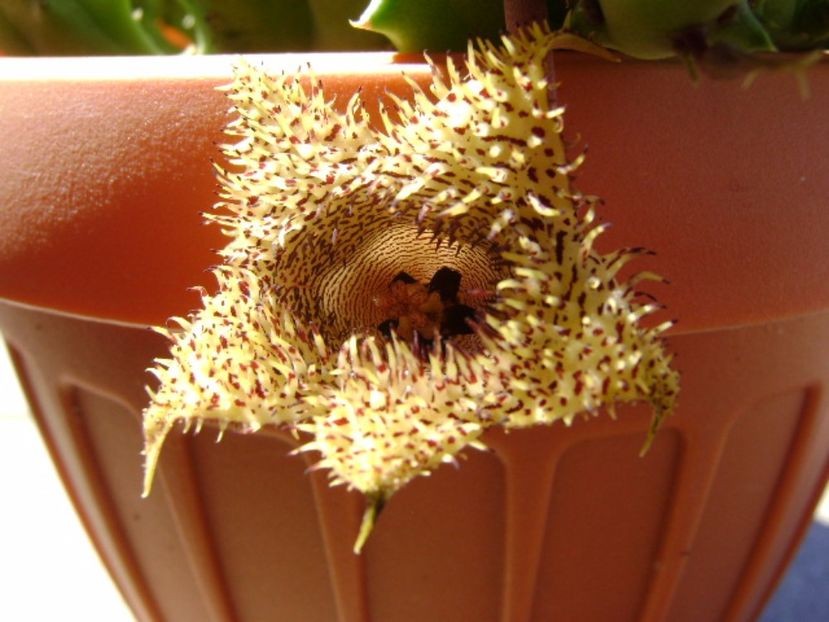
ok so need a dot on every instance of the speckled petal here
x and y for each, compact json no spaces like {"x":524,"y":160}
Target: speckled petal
{"x":390,"y":416}
{"x":323,"y":209}
{"x":240,"y":360}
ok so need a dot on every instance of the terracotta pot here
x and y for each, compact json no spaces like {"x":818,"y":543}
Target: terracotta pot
{"x":107,"y":168}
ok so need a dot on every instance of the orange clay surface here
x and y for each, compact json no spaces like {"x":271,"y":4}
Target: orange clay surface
{"x":105,"y":171}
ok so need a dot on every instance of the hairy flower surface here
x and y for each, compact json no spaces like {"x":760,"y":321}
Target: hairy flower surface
{"x":394,"y":292}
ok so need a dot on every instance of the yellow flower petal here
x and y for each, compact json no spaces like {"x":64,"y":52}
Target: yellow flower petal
{"x":238,"y":361}
{"x":323,"y":211}
{"x":392,"y":416}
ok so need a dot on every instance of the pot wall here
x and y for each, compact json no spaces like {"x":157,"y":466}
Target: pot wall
{"x":553,"y":523}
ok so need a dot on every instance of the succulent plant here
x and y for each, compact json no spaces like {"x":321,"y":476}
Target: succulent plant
{"x":88,"y":27}
{"x":648,"y":29}
{"x":796,"y":25}
{"x":435,"y":25}
{"x":653,"y":29}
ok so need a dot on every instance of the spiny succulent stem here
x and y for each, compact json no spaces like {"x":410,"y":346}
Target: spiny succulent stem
{"x":374,"y":505}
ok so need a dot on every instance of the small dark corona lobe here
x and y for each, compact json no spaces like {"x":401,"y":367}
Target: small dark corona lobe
{"x":425,"y":315}
{"x":447,"y":282}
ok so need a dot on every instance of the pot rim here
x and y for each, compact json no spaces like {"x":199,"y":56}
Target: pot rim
{"x":219,"y":66}
{"x":177,"y":66}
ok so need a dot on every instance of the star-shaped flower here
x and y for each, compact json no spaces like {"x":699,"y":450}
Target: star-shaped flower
{"x":394,"y":292}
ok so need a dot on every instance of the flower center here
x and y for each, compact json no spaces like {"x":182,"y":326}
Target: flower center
{"x":397,"y":279}
{"x":419,"y":313}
